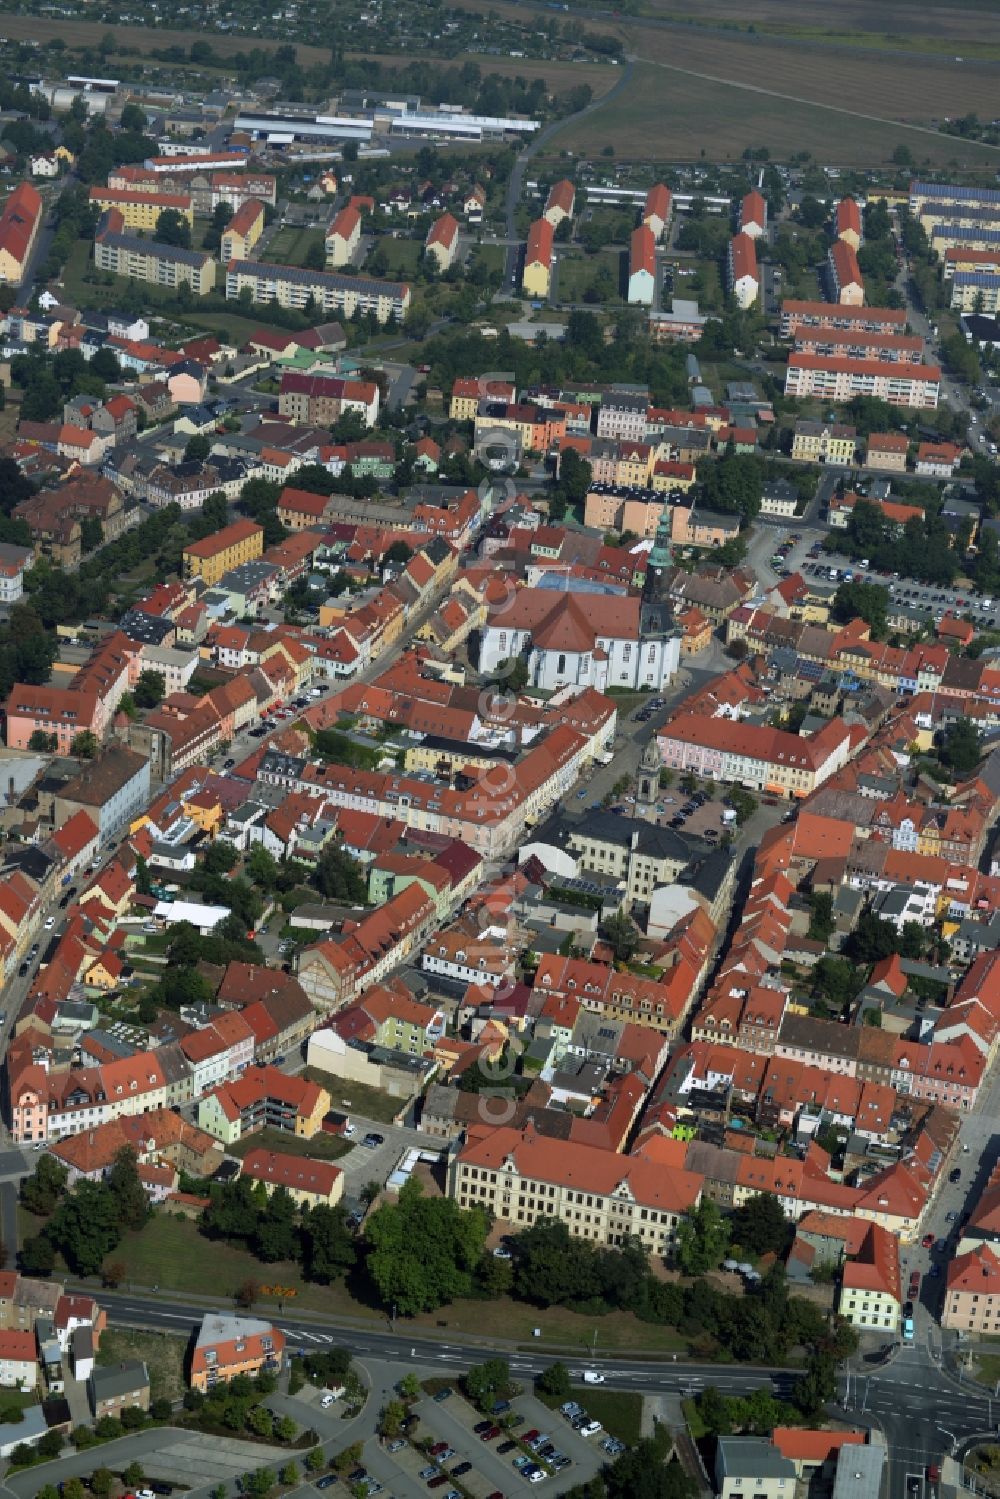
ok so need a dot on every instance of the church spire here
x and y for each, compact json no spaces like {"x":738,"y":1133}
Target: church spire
{"x":660,"y":558}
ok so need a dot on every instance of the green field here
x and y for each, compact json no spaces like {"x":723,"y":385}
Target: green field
{"x":580,"y":274}
{"x":291,"y":246}
{"x":401,"y":257}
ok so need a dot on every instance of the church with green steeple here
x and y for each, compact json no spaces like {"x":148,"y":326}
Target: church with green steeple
{"x":657,"y":614}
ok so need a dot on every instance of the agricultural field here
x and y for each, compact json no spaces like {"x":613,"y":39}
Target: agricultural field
{"x":667,"y":114}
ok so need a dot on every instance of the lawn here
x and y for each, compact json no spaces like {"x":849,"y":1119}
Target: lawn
{"x":579,"y":274}
{"x":401,"y":257}
{"x":291,"y":246}
{"x":163,"y":1353}
{"x":619,"y":1411}
{"x":359,"y":1098}
{"x":171,"y":1254}
{"x":320,"y":1148}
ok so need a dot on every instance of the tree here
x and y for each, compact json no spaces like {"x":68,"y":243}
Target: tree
{"x":817,"y":1386}
{"x":487,"y":1383}
{"x":960,"y":746}
{"x":276,"y":1236}
{"x":391,"y":1418}
{"x":41,"y":742}
{"x":621,"y":932}
{"x":742,"y":803}
{"x":220,"y":857}
{"x":289,"y":1473}
{"x":197,"y":448}
{"x":423,"y":1251}
{"x":114,"y":1273}
{"x":41,"y":1191}
{"x":37,"y":1256}
{"x":555,"y":1381}
{"x":101,"y":1482}
{"x":702,"y":1238}
{"x":642,"y":1473}
{"x":328,"y":1250}
{"x":104,"y":363}
{"x":246,"y":1293}
{"x":51,"y":1444}
{"x":315,"y":1459}
{"x":85,"y":744}
{"x":91,"y":533}
{"x":85,"y":1227}
{"x":261,"y":867}
{"x":285,"y":1429}
{"x":127,"y":1189}
{"x":760,"y":1226}
{"x":714,"y":1412}
{"x":409,"y":1387}
{"x":867,"y":601}
{"x":339,"y":877}
{"x":173,"y":229}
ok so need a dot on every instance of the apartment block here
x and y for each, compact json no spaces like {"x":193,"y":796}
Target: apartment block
{"x":743,"y":276}
{"x":343,"y":236}
{"x":141,"y":210}
{"x":241,"y":542}
{"x":294,"y":286}
{"x":537,"y":274}
{"x":837,"y":379}
{"x":243,"y":231}
{"x":155,"y":262}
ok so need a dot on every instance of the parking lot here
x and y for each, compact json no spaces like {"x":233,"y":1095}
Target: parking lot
{"x":443,"y":1448}
{"x":933,"y":599}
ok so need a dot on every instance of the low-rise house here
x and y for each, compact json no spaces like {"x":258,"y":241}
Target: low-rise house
{"x":112,"y":1388}
{"x":752,"y":1465}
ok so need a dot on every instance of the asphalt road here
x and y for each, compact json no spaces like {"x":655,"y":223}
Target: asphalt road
{"x":412,"y":1349}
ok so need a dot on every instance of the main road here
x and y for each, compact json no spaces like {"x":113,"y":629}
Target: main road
{"x":652,"y":1375}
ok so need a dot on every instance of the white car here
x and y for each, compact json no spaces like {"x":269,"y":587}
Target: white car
{"x":592,"y":1376}
{"x":326,"y":1402}
{"x":50,"y":922}
{"x":591,"y":1429}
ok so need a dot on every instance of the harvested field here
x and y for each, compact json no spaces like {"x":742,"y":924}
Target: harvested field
{"x":671,"y":116}
{"x":143,"y":38}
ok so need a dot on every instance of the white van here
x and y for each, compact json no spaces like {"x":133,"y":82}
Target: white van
{"x":591,"y":1376}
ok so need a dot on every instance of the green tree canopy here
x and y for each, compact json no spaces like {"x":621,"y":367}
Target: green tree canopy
{"x":423,"y":1250}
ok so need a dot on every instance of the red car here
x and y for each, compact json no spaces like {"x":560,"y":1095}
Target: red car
{"x":490,"y":1434}
{"x":914,"y":1285}
{"x":927,"y":1241}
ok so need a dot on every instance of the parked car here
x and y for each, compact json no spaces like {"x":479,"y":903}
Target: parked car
{"x":444,"y":1394}
{"x":373,"y":1141}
